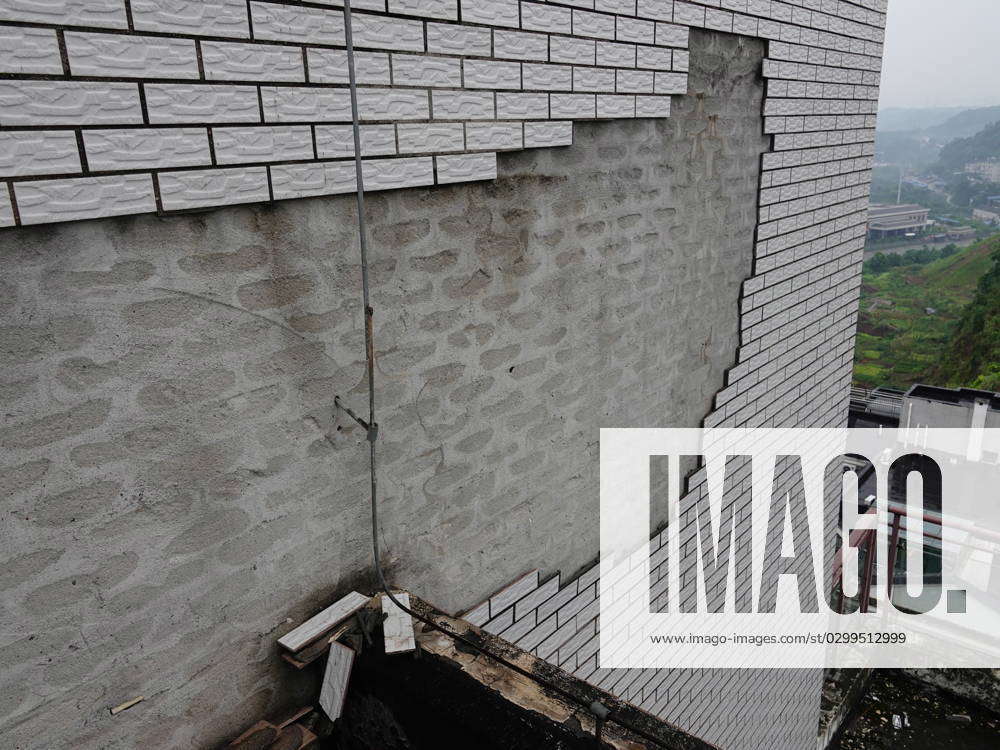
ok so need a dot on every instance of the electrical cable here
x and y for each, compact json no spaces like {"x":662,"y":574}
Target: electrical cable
{"x":372,"y":425}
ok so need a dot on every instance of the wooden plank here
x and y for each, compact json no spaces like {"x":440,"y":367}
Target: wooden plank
{"x":306,"y":656}
{"x":314,"y":627}
{"x":290,"y":658}
{"x":261,"y":734}
{"x":397,"y":628}
{"x":127,"y":705}
{"x":293,"y":717}
{"x":338,"y":672}
{"x":294,"y":737}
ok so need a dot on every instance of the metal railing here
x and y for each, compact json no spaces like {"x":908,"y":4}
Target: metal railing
{"x":881,"y":402}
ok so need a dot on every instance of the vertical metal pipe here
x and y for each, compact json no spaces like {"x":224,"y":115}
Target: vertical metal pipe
{"x":369,"y":312}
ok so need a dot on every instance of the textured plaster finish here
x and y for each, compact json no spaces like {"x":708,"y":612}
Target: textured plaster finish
{"x":176,"y":482}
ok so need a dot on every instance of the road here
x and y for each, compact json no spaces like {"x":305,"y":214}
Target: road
{"x":900,"y":249}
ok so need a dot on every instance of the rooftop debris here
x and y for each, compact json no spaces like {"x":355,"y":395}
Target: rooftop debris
{"x":303,"y":646}
{"x":899,"y":712}
{"x":309,"y":654}
{"x":489,"y":705}
{"x":315,"y":626}
{"x":260,"y":735}
{"x":397,"y":628}
{"x":373,"y":699}
{"x":335,"y":679}
{"x":127,"y":705}
{"x":267,"y":736}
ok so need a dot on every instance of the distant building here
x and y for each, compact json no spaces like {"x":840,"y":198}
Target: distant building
{"x":994,"y":200}
{"x":985,"y":170}
{"x":952,"y":234}
{"x":896,"y":221}
{"x":961,"y":233}
{"x":989,"y":217}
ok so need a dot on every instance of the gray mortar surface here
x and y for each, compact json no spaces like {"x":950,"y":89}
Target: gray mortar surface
{"x":175,"y":482}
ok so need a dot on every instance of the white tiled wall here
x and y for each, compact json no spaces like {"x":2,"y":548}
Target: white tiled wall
{"x":86,"y":66}
{"x":91,"y":70}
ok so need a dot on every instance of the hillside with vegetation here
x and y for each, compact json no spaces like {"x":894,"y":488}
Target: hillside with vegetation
{"x":892,"y":119}
{"x":914,"y":138}
{"x":982,"y":146}
{"x":911,"y":315}
{"x":953,"y":122}
{"x":965,"y":123}
{"x":972,"y":356}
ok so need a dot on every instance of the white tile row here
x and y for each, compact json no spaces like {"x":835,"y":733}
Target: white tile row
{"x":229,"y":18}
{"x":65,"y":103}
{"x":72,"y":199}
{"x":34,"y":50}
{"x":44,"y":201}
{"x":40,"y":152}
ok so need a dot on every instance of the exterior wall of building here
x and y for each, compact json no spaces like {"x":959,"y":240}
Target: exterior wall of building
{"x":886,"y":221}
{"x":177,"y":481}
{"x":987,"y":170}
{"x":990,"y":217}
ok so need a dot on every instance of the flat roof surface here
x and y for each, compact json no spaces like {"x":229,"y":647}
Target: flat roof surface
{"x":878,"y":210}
{"x":896,"y":223}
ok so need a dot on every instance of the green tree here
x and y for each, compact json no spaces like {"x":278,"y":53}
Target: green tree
{"x":973,"y":353}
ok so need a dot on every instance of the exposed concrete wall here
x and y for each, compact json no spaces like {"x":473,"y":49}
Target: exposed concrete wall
{"x":175,"y":482}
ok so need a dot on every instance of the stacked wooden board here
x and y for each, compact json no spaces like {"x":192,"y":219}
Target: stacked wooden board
{"x":291,"y":733}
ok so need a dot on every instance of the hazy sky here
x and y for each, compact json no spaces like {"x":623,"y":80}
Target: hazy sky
{"x":942,"y":53}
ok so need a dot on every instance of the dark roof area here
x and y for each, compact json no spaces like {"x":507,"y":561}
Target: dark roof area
{"x":953,"y":395}
{"x":447,"y":694}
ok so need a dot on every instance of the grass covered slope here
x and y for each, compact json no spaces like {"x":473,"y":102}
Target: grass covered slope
{"x":973,"y":354}
{"x":899,"y":341}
